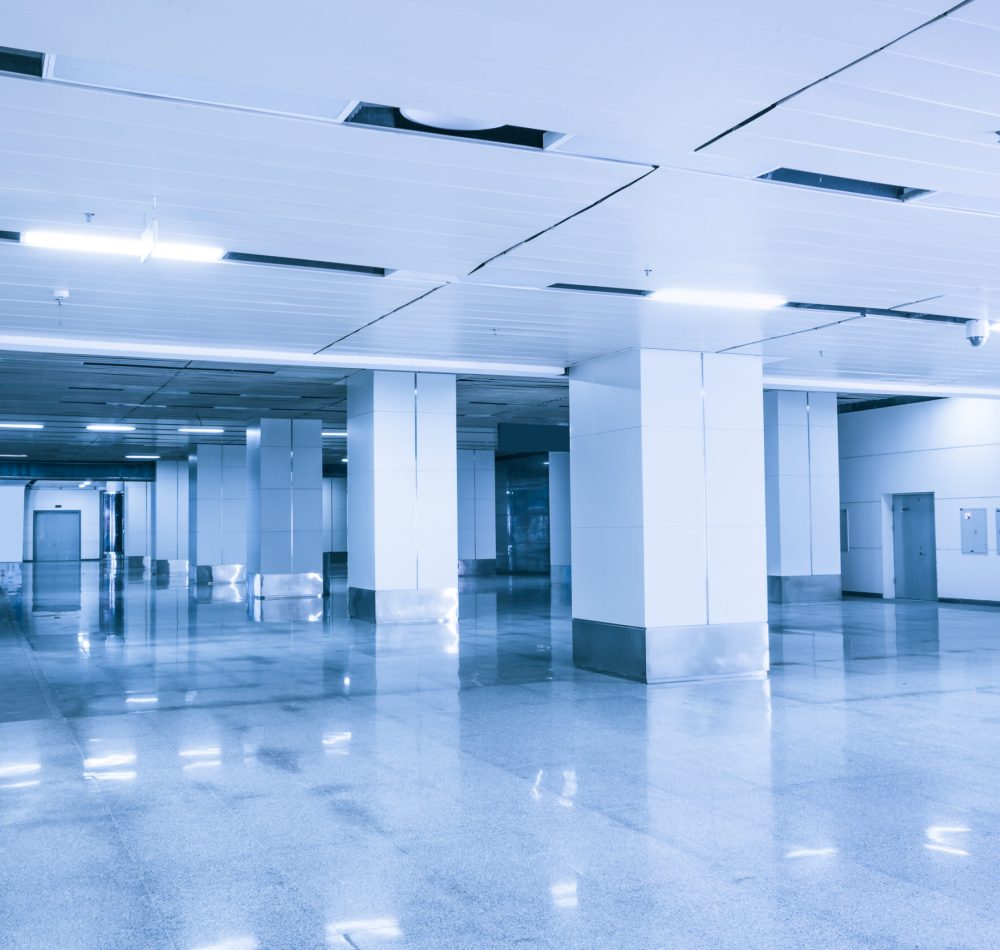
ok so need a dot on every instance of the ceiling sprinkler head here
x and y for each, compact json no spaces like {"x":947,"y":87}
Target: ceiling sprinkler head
{"x":60,"y":294}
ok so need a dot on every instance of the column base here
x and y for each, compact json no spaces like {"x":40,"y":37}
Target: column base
{"x":262,"y":586}
{"x":803,"y":588}
{"x":671,"y":654}
{"x":477,"y":567}
{"x":562,"y":574}
{"x":402,"y":606}
{"x":285,"y":609}
{"x":164,"y":568}
{"x":218,"y":574}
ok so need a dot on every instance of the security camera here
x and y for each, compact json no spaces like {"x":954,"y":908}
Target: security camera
{"x":977,"y":332}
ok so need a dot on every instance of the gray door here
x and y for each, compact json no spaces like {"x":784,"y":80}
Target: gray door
{"x":57,"y":536}
{"x":914,"y":546}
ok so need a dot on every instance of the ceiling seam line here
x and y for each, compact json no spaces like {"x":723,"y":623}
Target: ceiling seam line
{"x":563,"y":221}
{"x":371,"y":323}
{"x":782,"y":336}
{"x":836,"y":72}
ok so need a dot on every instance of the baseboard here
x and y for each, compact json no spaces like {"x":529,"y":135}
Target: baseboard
{"x":966,"y":600}
{"x":862,"y":593}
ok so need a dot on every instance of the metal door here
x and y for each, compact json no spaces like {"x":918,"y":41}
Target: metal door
{"x":914,"y":546}
{"x":57,"y":536}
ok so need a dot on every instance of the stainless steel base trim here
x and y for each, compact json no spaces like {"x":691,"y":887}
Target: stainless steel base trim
{"x":477,"y":567}
{"x":803,"y":588}
{"x":219,"y":573}
{"x":403,"y":606}
{"x":671,"y":654}
{"x":284,"y":585}
{"x":170,"y":567}
{"x":285,"y":609}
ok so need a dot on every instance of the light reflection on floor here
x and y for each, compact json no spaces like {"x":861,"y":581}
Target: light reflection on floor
{"x":174,"y":774}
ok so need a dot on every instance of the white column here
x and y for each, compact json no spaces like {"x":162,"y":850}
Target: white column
{"x":335,"y":520}
{"x":285,"y":508}
{"x":217,"y":527}
{"x":560,"y":534}
{"x":138,"y":524}
{"x":802,"y":466}
{"x":667,"y":473}
{"x":402,"y":511}
{"x":12,"y":518}
{"x":477,"y":520}
{"x":170,"y":518}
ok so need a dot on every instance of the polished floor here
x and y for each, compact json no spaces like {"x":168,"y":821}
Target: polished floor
{"x":175,"y":773}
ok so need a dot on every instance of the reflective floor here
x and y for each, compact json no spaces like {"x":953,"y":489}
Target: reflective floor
{"x":175,"y":774}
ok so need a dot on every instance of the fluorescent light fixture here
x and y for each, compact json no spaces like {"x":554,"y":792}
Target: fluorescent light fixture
{"x":718,"y":298}
{"x":109,"y":427}
{"x":5,"y":455}
{"x":335,"y":434}
{"x":143,"y":458}
{"x":344,"y":459}
{"x":84,"y":484}
{"x":453,"y":123}
{"x":201,"y":430}
{"x":141,"y":247}
{"x":21,"y":425}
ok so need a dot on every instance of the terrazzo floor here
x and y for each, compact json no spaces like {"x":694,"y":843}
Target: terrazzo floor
{"x":176,"y":773}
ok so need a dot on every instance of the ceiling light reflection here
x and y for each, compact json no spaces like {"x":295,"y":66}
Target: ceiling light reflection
{"x":109,"y":761}
{"x":20,"y":768}
{"x":811,"y":853}
{"x":373,"y":926}
{"x":564,"y":894}
{"x":115,"y":776}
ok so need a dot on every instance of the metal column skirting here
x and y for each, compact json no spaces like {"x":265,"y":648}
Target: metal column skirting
{"x":803,"y":588}
{"x":219,"y":574}
{"x":403,"y":606}
{"x":671,"y":654}
{"x":260,"y":586}
{"x":477,"y":567}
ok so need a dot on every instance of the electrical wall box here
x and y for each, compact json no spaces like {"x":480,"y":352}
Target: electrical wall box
{"x":973,"y":530}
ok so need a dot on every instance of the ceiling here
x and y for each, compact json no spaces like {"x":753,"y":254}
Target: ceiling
{"x":231,"y":116}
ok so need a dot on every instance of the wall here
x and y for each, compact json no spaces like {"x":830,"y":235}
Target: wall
{"x":477,"y":531}
{"x":950,"y":447}
{"x":559,"y":515}
{"x":85,"y":500}
{"x":11,"y":522}
{"x":335,"y":515}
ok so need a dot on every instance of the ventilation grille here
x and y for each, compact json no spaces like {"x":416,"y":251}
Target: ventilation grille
{"x":390,"y":117}
{"x":242,"y":258}
{"x":849,"y":186}
{"x":592,"y":289}
{"x":24,"y":62}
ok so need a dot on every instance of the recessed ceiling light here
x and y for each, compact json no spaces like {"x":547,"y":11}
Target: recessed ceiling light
{"x":201,"y":430}
{"x":126,"y":247}
{"x":344,"y":459}
{"x":109,"y":427}
{"x":21,"y":425}
{"x":453,"y":123}
{"x":143,"y":458}
{"x":718,"y":298}
{"x":335,"y":434}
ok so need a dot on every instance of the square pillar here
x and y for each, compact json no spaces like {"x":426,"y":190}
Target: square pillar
{"x":802,"y":468}
{"x":285,"y":508}
{"x":217,"y":521}
{"x":668,"y":524}
{"x":402,"y":497}
{"x":170,"y":520}
{"x":477,"y":528}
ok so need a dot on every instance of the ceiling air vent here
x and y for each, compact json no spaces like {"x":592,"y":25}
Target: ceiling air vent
{"x":241,"y":258}
{"x":849,"y":186}
{"x":390,"y":117}
{"x":24,"y":62}
{"x":590,"y":289}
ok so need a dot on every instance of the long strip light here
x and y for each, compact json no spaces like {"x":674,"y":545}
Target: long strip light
{"x":109,"y":427}
{"x":201,"y":430}
{"x":21,"y":425}
{"x":125,"y":247}
{"x":335,"y":434}
{"x":143,"y":458}
{"x":718,"y":298}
